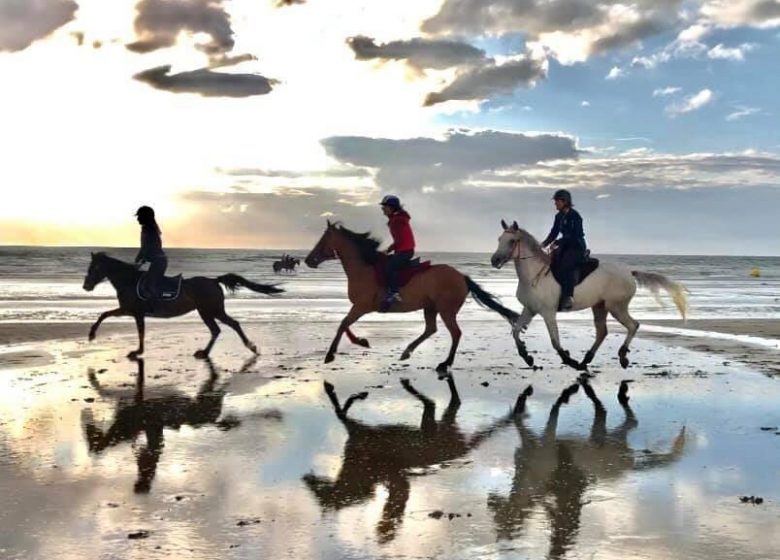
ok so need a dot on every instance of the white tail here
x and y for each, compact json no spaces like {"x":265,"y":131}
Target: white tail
{"x":654,"y":282}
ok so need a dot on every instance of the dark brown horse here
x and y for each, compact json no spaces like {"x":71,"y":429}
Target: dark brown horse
{"x":440,"y":290}
{"x":198,"y":293}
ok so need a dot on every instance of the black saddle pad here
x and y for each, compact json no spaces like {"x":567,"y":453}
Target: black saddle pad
{"x":583,"y":271}
{"x":170,"y":288}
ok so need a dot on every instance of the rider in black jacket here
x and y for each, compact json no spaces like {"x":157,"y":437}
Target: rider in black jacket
{"x":570,"y":248}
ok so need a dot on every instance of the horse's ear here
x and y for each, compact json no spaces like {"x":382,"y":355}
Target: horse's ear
{"x":515,"y":226}
{"x":327,"y":221}
{"x":92,"y":254}
{"x":504,"y":226}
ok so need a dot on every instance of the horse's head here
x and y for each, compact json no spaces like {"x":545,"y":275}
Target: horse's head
{"x":506,"y":245}
{"x":96,"y":272}
{"x":324,"y":250}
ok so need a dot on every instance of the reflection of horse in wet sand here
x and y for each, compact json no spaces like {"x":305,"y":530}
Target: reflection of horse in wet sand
{"x":136,"y":415}
{"x":386,"y":455}
{"x":552,"y":474}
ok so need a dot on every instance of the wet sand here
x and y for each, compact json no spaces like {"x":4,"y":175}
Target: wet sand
{"x":101,"y":457}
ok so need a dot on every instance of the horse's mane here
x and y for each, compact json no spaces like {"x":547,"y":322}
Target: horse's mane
{"x":533,"y":245}
{"x":367,"y":245}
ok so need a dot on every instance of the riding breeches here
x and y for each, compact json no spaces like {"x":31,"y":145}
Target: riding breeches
{"x":395,"y":263}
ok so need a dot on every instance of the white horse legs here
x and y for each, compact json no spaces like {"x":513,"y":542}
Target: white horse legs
{"x":519,"y":326}
{"x":600,"y":320}
{"x":552,"y":328}
{"x":624,"y":318}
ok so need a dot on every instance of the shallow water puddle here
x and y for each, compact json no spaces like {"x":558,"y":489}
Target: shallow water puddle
{"x":101,"y":457}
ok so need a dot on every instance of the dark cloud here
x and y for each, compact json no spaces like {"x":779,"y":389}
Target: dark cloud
{"x":24,"y":21}
{"x":491,"y":80}
{"x":417,"y":52}
{"x":605,"y":30}
{"x":206,"y":82}
{"x":411,"y":164}
{"x":734,"y":13}
{"x":159,"y":22}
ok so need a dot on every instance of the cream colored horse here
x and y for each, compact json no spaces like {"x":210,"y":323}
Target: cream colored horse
{"x":608,"y":289}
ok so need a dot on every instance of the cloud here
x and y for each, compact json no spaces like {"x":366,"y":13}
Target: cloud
{"x":23,"y":22}
{"x":742,"y":112}
{"x":571,"y":30}
{"x":615,"y":73}
{"x":691,"y":103}
{"x":224,"y":61}
{"x":206,"y":82}
{"x":732,"y":53}
{"x":414,"y":163}
{"x":738,"y":13}
{"x":490,"y":80}
{"x":667,"y":91}
{"x":159,"y":23}
{"x":418,"y":53}
{"x":585,"y":104}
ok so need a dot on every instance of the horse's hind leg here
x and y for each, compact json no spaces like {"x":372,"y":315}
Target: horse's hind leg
{"x":215,"y":330}
{"x":450,"y":321}
{"x":428,"y":424}
{"x":552,"y":329}
{"x":600,"y":320}
{"x":430,"y":329}
{"x":620,"y":312}
{"x":233,"y":324}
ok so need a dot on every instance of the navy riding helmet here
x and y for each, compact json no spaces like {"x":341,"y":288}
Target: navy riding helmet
{"x":392,"y":201}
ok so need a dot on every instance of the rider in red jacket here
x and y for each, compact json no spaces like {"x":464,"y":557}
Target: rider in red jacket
{"x":402,"y":248}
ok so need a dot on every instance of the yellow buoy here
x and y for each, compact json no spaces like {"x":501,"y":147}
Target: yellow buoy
{"x":755,"y":273}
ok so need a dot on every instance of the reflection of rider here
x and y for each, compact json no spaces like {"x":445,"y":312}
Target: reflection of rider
{"x":402,"y":246}
{"x":151,"y":252}
{"x":570,"y":248}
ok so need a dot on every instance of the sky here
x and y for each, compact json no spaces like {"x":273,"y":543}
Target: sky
{"x":248,"y":123}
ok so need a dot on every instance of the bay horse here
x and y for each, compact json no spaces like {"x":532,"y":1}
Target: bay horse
{"x":608,"y":289}
{"x":439,"y":290}
{"x":197,"y":293}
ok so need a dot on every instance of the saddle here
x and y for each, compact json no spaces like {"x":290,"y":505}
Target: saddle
{"x":169,"y":288}
{"x":585,"y":268}
{"x":405,"y":274}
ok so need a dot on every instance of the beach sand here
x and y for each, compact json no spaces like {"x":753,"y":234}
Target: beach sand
{"x":243,"y":458}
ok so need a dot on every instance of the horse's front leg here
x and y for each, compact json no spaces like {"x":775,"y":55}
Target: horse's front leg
{"x":519,"y":326}
{"x":103,"y":316}
{"x":354,"y":314}
{"x":141,"y":325}
{"x":552,"y":328}
{"x":359,"y":340}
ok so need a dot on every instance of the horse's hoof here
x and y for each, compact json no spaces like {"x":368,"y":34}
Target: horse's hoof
{"x":442,"y":368}
{"x":329,"y":358}
{"x":201,"y":355}
{"x":406,"y":355}
{"x":91,"y":336}
{"x":253,"y":349}
{"x":134,"y":355}
{"x":624,"y":362}
{"x":363,"y":342}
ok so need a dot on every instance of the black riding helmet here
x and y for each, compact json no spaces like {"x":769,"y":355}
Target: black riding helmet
{"x":563,"y":195}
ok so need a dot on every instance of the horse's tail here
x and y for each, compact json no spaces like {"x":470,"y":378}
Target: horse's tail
{"x":234,"y":281}
{"x":489,"y":301}
{"x":654,"y":282}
